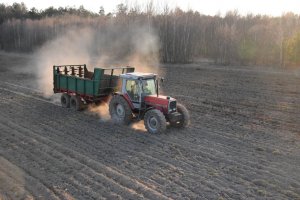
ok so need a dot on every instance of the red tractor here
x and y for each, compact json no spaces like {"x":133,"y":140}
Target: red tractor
{"x":139,"y":98}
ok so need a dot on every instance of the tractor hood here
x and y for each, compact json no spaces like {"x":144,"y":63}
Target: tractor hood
{"x":158,"y":100}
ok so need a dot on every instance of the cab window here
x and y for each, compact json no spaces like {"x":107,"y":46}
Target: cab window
{"x":132,"y":89}
{"x":148,"y":86}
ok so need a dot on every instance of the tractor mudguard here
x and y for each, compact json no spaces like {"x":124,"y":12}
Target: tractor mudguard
{"x":174,"y":117}
{"x":126,"y":97}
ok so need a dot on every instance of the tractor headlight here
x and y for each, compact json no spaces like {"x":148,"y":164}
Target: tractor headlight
{"x":172,"y":106}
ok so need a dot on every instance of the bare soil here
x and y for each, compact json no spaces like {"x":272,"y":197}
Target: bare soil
{"x":243,"y":141}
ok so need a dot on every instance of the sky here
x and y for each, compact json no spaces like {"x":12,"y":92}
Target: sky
{"x":208,"y":7}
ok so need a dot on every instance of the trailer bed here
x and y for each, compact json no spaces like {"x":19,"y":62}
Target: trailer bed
{"x":77,"y":79}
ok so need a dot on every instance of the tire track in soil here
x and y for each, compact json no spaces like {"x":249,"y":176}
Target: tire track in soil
{"x":32,"y":163}
{"x":240,"y":128}
{"x":242,"y":112}
{"x":285,"y":119}
{"x":258,"y":170}
{"x":123,"y":150}
{"x":257,"y":123}
{"x":33,"y":190}
{"x":233,"y":137}
{"x":125,"y":180}
{"x":58,"y":163}
{"x":12,"y":188}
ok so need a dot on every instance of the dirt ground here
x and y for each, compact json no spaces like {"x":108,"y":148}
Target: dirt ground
{"x":243,"y":141}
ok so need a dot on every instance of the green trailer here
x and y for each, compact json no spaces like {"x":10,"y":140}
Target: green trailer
{"x":77,"y":82}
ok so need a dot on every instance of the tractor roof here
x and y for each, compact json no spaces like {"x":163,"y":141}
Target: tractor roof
{"x":138,"y":75}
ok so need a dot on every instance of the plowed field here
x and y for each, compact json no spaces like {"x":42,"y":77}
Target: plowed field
{"x":243,"y":141}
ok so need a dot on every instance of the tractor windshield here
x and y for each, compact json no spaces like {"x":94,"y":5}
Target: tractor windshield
{"x":149,"y":86}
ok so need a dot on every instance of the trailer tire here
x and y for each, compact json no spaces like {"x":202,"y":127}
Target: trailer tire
{"x":185,"y":120}
{"x":65,"y":100}
{"x":120,"y":110}
{"x":155,"y":121}
{"x":76,"y":103}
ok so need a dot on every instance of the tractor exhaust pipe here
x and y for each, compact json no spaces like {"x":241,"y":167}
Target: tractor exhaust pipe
{"x":157,"y":85}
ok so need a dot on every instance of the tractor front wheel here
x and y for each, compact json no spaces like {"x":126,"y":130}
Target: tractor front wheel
{"x":185,"y":117}
{"x":155,"y":121}
{"x":76,"y":103}
{"x":65,"y":100}
{"x":119,"y":110}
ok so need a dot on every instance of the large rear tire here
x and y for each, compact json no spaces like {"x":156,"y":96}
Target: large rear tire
{"x":155,"y":121}
{"x":76,"y":103}
{"x":120,"y":110}
{"x":65,"y":100}
{"x":185,"y":120}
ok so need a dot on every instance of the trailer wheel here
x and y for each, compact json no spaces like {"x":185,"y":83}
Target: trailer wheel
{"x":65,"y":100}
{"x":119,"y":110}
{"x":155,"y":121}
{"x":185,"y":120}
{"x":76,"y":103}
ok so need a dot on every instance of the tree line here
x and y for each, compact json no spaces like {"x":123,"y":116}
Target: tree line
{"x":183,"y":36}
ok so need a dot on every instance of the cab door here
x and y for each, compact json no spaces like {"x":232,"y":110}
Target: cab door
{"x":133,"y":90}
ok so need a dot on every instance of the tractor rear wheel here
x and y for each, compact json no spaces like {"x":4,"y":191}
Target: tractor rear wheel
{"x":185,"y":119}
{"x":76,"y":103}
{"x":155,"y":121}
{"x":65,"y":100}
{"x":119,"y":110}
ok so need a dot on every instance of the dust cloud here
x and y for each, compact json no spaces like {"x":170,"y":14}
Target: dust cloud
{"x":101,"y":110}
{"x":138,"y":126}
{"x":71,"y":48}
{"x":138,"y":46}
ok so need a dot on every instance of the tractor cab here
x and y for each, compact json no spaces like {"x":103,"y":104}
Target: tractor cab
{"x":138,"y":97}
{"x":142,"y":90}
{"x":136,"y":86}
